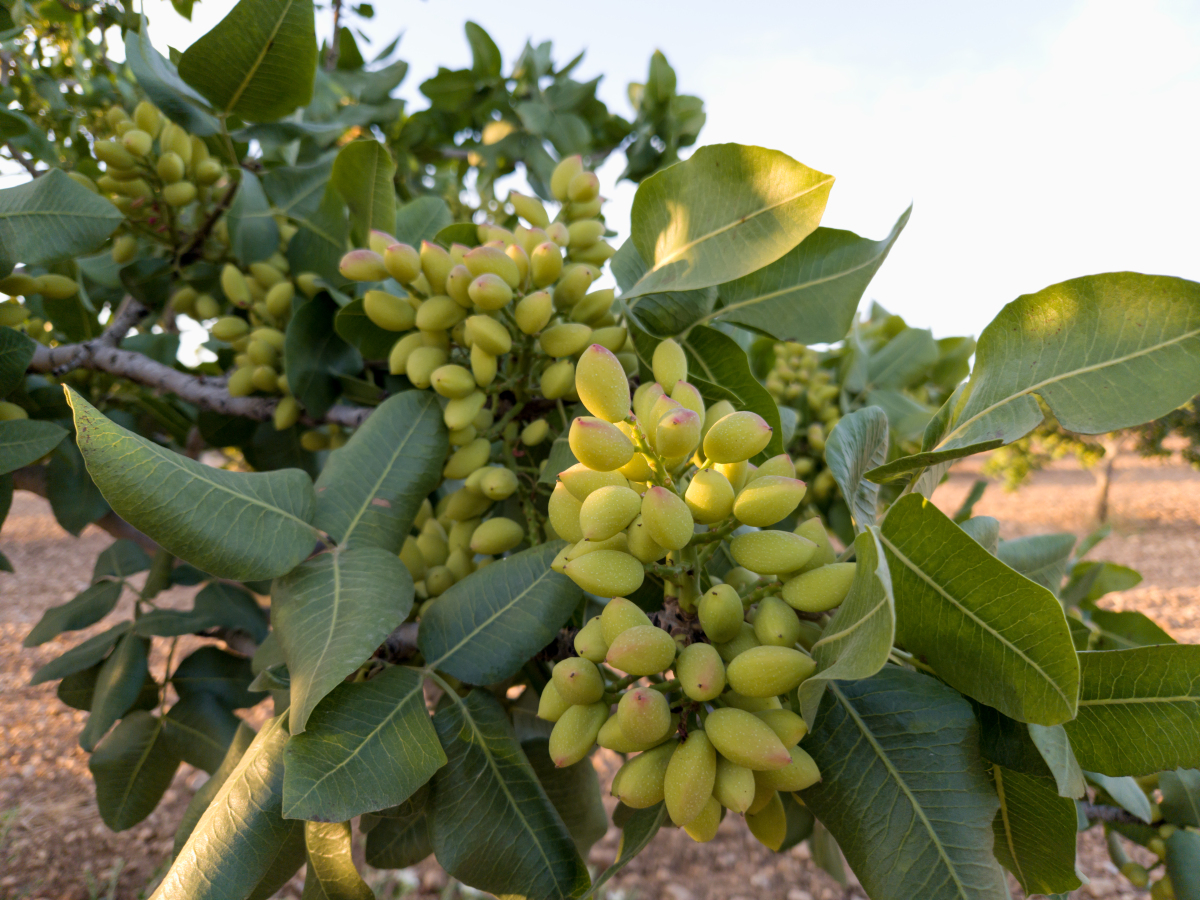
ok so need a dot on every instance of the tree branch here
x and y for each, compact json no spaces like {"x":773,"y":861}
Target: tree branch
{"x":1102,"y":813}
{"x":25,"y":162}
{"x":191,"y":250}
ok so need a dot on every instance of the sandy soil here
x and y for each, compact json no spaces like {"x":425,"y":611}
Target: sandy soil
{"x":54,"y":846}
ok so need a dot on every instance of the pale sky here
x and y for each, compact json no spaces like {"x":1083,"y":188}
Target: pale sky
{"x":1039,"y":139}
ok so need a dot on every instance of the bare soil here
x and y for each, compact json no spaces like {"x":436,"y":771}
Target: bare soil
{"x":53,"y":845}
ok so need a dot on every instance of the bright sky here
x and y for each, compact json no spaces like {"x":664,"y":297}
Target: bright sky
{"x":1038,"y":139}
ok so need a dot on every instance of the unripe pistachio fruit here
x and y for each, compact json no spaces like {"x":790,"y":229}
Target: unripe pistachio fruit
{"x":688,"y":782}
{"x":736,"y":437}
{"x":639,"y":783}
{"x":776,"y":624}
{"x":800,"y":773}
{"x":820,"y":590}
{"x":575,"y":733}
{"x":644,"y":715}
{"x":436,"y":264}
{"x":667,"y":518}
{"x":768,"y":671}
{"x":486,"y":332}
{"x":589,"y":641}
{"x":769,"y":825}
{"x":560,"y":178}
{"x":600,"y":445}
{"x":492,"y":260}
{"x":56,"y":287}
{"x":669,"y":363}
{"x":388,"y":311}
{"x":788,"y":726}
{"x":452,"y":381}
{"x":563,"y":510}
{"x":745,"y":740}
{"x":814,"y":531}
{"x":582,"y":481}
{"x":771,"y":552}
{"x":618,"y":616}
{"x":678,"y":433}
{"x":641,"y":545}
{"x":467,"y":459}
{"x":607,"y":573}
{"x":530,"y":209}
{"x":578,"y":680}
{"x":533,"y":313}
{"x":720,"y":612}
{"x":602,"y":385}
{"x":497,"y":535}
{"x":709,"y":496}
{"x":641,"y":650}
{"x":608,"y":511}
{"x":768,"y":499}
{"x":733,"y":786}
{"x":566,"y":339}
{"x":362,"y":265}
{"x":701,"y":672}
{"x":557,"y":379}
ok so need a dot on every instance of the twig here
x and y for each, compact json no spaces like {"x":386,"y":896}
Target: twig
{"x":331,"y":56}
{"x":189,"y":251}
{"x":25,"y":162}
{"x":1102,"y":813}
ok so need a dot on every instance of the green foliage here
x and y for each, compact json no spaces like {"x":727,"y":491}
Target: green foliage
{"x":386,"y":443}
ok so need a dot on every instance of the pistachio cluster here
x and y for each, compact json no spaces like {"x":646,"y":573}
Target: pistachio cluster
{"x":797,"y":380}
{"x":704,"y":708}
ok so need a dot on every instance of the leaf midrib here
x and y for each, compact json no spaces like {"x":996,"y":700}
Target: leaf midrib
{"x":1064,"y":375}
{"x":262,"y":54}
{"x":1121,"y":701}
{"x":902,"y":784}
{"x":911,"y":566}
{"x":741,"y":220}
{"x":137,"y":769}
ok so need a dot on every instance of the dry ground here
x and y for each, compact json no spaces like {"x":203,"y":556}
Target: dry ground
{"x":54,"y":846}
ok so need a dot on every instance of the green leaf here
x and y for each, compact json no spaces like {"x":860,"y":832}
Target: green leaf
{"x":238,"y":838}
{"x":133,"y":768}
{"x":253,"y":232}
{"x":1181,"y":797}
{"x":639,"y":830}
{"x":1035,"y":833}
{"x":371,"y":488}
{"x":485,"y":627}
{"x":362,"y":174}
{"x":421,"y":220}
{"x":120,"y":560}
{"x":353,"y":326}
{"x":903,"y":789}
{"x":666,"y":314}
{"x":158,"y":77}
{"x":258,"y":62}
{"x":906,"y":358}
{"x":906,"y":465}
{"x":485,"y":55}
{"x":400,"y":838}
{"x":1092,"y":580}
{"x":52,"y":218}
{"x":1126,"y":792}
{"x":858,"y":444}
{"x":1122,"y":630}
{"x":1103,"y":352}
{"x":237,"y":525}
{"x":25,"y":441}
{"x":985,"y":531}
{"x":858,"y":640}
{"x":575,"y":792}
{"x":16,"y":351}
{"x":205,"y":793}
{"x":1183,"y":863}
{"x":720,"y":370}
{"x":491,"y":823}
{"x":811,"y":293}
{"x":1037,"y":750}
{"x":800,"y":822}
{"x":80,"y":657}
{"x":319,"y":244}
{"x":314,"y":355}
{"x":118,"y":684}
{"x":1013,"y":653}
{"x":218,"y":605}
{"x":727,"y":211}
{"x":368,"y":746}
{"x":1039,"y":557}
{"x":1139,"y":710}
{"x":74,"y":497}
{"x":297,"y":191}
{"x":331,"y":613}
{"x":331,"y":870}
{"x":201,"y":729}
{"x":87,"y":608}
{"x":290,"y":856}
{"x":210,"y":670}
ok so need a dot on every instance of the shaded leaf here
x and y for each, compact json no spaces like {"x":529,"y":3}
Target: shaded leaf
{"x":1126,"y":696}
{"x":157,"y":76}
{"x":906,"y":465}
{"x":81,"y":657}
{"x":421,"y":219}
{"x":1037,"y":750}
{"x":16,"y":350}
{"x":491,"y":824}
{"x":74,"y":497}
{"x":809,"y":294}
{"x":400,"y":838}
{"x":1039,"y":557}
{"x":87,"y":608}
{"x":133,"y":768}
{"x":903,"y":789}
{"x":218,"y":605}
{"x":485,"y":627}
{"x":210,"y":670}
{"x":253,"y":232}
{"x":362,"y":174}
{"x":1092,"y":580}
{"x":1181,"y":797}
{"x":51,"y":218}
{"x":858,"y":444}
{"x":353,"y":326}
{"x":984,"y":530}
{"x":1035,"y":833}
{"x":319,"y":243}
{"x":725,"y":212}
{"x":118,"y":684}
{"x":636,"y":834}
{"x":314,"y":355}
{"x":258,"y":62}
{"x":331,"y":613}
{"x":236,"y":525}
{"x":858,"y":639}
{"x":200,"y":729}
{"x":371,"y":488}
{"x":25,"y":441}
{"x":369,"y":745}
{"x":205,"y":793}
{"x":575,"y":792}
{"x":1122,"y":630}
{"x":1183,"y":863}
{"x":1126,"y":792}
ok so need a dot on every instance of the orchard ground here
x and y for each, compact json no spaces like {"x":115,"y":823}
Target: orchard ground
{"x":54,"y":846}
